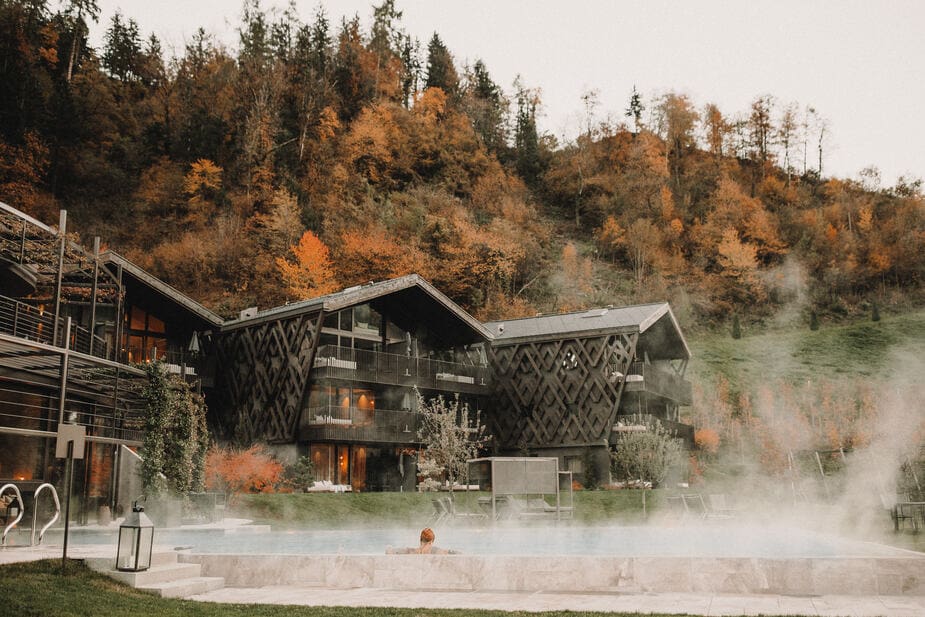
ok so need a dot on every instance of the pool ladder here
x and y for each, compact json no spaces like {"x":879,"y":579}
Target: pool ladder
{"x":35,"y":511}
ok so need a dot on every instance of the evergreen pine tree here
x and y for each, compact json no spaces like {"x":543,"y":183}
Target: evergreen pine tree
{"x":875,"y":313}
{"x":736,"y":327}
{"x":440,"y":70}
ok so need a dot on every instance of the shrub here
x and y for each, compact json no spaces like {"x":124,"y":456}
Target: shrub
{"x":176,"y":437}
{"x":707,"y":440}
{"x":300,"y":474}
{"x":235,"y":471}
{"x":646,"y":455}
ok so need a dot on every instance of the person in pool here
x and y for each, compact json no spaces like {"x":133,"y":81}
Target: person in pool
{"x":426,"y":548}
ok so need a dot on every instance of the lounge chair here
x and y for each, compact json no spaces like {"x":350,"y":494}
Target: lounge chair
{"x":719,"y":508}
{"x":440,"y":512}
{"x":694,"y":505}
{"x":451,"y":510}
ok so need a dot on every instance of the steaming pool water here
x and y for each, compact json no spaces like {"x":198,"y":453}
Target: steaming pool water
{"x":624,"y":541}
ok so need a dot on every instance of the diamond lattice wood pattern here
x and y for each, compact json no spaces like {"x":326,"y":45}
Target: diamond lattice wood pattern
{"x":265,"y":370}
{"x":558,"y":393}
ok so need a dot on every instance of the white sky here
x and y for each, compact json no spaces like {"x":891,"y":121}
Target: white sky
{"x":860,"y":63}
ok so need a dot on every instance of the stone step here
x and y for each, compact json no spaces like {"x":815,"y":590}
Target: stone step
{"x":157,"y":574}
{"x":104,"y":564}
{"x":185,"y":587}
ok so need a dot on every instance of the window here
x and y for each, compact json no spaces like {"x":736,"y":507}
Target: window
{"x":322,"y":456}
{"x":145,"y":336}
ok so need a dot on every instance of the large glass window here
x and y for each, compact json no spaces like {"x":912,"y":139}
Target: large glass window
{"x":358,"y":468}
{"x":343,"y":465}
{"x":340,"y":464}
{"x":145,"y":336}
{"x":322,"y":456}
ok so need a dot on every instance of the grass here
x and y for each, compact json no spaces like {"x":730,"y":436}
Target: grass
{"x":39,"y":588}
{"x":863,"y":349}
{"x":326,"y":510}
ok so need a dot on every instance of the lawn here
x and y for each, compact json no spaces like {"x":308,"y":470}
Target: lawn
{"x":38,"y":588}
{"x":862,"y":349}
{"x":326,"y":510}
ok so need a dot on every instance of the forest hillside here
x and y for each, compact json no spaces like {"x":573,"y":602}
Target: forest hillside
{"x":316,"y":155}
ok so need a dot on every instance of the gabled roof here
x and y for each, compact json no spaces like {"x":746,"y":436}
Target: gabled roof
{"x":403,"y":292}
{"x":655,"y":323}
{"x":162,"y":288}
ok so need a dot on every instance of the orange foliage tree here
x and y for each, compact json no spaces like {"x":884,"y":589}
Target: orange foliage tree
{"x":239,"y":471}
{"x":311,"y":274}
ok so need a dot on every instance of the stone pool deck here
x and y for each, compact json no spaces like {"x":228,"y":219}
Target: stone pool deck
{"x":706,"y":604}
{"x":672,"y":603}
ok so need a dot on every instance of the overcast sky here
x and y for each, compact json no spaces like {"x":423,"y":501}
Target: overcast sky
{"x":861,"y":64}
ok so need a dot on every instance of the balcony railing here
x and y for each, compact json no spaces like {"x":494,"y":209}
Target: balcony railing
{"x":331,"y":422}
{"x":393,"y":369}
{"x":29,"y":322}
{"x":652,"y":379}
{"x":641,"y":422}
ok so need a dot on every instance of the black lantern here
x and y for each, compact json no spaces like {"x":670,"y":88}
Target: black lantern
{"x":136,"y":541}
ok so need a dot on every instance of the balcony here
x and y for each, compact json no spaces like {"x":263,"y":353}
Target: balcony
{"x":384,"y":368}
{"x":32,"y":323}
{"x":333,"y":423}
{"x":653,"y":380}
{"x":640,"y":422}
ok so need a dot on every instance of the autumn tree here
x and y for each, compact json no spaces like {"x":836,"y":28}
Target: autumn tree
{"x":450,"y":435}
{"x":202,"y":184}
{"x":311,"y":274}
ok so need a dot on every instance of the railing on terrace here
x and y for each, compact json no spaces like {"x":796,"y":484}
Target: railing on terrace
{"x":29,"y":322}
{"x":24,"y":409}
{"x":367,"y":425}
{"x":177,"y":362}
{"x":638,"y":421}
{"x":659,"y":381}
{"x":395,"y":369}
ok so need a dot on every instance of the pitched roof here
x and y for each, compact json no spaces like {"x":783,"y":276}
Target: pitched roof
{"x":361,"y":294}
{"x":161,"y":287}
{"x":655,"y":319}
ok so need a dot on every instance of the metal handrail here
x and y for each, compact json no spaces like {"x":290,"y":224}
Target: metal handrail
{"x":35,"y":512}
{"x":22,"y":510}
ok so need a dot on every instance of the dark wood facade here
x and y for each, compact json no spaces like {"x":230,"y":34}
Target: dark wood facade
{"x":262,"y":379}
{"x":566,"y":385}
{"x":562,"y":392}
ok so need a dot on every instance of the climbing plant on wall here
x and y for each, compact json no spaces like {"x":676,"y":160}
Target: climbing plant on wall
{"x":176,"y":437}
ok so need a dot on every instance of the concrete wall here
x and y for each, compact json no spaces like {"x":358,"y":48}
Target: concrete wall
{"x":808,"y":576}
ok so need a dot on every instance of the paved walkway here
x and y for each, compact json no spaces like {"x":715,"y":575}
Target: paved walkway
{"x":692,"y":604}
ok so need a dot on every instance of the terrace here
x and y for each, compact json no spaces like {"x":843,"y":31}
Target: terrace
{"x":658,"y":381}
{"x":393,"y":369}
{"x":334,"y":423}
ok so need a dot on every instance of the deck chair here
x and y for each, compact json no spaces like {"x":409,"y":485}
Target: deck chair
{"x":719,"y":508}
{"x":676,"y":505}
{"x":694,"y":504}
{"x":450,"y":506}
{"x":440,"y":512}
